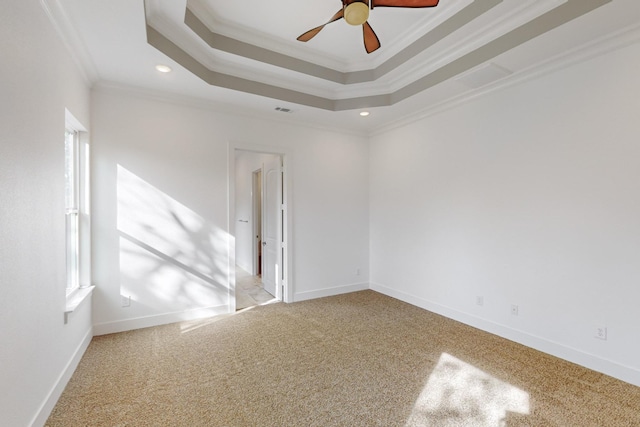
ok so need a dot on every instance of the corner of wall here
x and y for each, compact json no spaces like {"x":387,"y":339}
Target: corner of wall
{"x":52,"y":398}
{"x":590,"y":361}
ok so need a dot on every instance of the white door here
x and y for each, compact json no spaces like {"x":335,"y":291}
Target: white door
{"x":257,"y":222}
{"x":271,"y":214}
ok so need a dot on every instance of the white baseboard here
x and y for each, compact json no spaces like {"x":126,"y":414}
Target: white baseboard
{"x":329,"y":292}
{"x":157,"y":320}
{"x":52,"y":398}
{"x":605,"y":366}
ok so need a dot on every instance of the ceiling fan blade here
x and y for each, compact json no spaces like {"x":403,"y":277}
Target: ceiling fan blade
{"x":404,"y":3}
{"x":313,"y":32}
{"x":371,"y":41}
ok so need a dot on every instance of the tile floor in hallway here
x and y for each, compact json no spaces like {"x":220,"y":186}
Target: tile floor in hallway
{"x":249,"y":290}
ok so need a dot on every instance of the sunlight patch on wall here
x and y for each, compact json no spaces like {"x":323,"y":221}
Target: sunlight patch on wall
{"x":171,"y":258}
{"x":460,"y":394}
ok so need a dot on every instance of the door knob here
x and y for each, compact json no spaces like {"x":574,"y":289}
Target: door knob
{"x":264,"y":243}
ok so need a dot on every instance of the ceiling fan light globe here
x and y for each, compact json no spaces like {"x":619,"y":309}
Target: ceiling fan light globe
{"x":356,"y":13}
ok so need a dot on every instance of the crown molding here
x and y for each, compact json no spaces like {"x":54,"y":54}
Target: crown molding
{"x":625,"y":37}
{"x":411,"y":35}
{"x":609,"y":43}
{"x":566,"y":12}
{"x":529,"y":10}
{"x":219,"y":107}
{"x":248,"y":35}
{"x":446,"y":25}
{"x":378,"y":80}
{"x":71,"y":39}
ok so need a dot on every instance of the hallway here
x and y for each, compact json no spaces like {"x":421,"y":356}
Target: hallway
{"x":249,"y":290}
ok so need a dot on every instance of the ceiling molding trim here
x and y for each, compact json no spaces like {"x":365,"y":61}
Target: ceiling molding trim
{"x":529,"y":10}
{"x":249,"y":35}
{"x":482,"y":75}
{"x":173,"y":51}
{"x":560,"y":15}
{"x":620,"y":39}
{"x":246,"y":50}
{"x":448,"y":27}
{"x":217,"y":107}
{"x":445,"y":11}
{"x":287,"y":79}
{"x":222,"y":61}
{"x":465,"y":12}
{"x":625,"y":37}
{"x":266,"y":41}
{"x":227,"y":81}
{"x":71,"y":39}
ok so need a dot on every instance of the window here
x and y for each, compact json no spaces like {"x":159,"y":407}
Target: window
{"x":72,"y":208}
{"x":77,"y":215}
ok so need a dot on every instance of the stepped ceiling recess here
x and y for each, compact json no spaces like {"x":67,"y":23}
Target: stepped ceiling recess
{"x":243,"y":56}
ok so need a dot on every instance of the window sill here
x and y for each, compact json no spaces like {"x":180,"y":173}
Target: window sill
{"x":75,"y":299}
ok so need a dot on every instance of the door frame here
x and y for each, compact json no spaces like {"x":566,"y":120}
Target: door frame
{"x":287,"y":283}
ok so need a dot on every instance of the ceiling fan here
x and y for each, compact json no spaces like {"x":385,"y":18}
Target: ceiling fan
{"x":356,"y":12}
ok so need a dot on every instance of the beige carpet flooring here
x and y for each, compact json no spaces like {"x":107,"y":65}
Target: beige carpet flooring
{"x":361,"y":359}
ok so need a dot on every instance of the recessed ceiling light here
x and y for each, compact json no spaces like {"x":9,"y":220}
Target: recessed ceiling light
{"x":364,"y":113}
{"x":163,"y":68}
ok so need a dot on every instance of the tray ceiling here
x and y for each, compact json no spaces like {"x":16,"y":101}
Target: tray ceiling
{"x":246,"y":53}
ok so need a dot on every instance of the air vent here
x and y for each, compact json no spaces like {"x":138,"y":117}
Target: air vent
{"x":283,"y":110}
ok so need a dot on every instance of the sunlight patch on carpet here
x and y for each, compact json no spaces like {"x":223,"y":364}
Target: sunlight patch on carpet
{"x":192,"y":325}
{"x":460,"y":394}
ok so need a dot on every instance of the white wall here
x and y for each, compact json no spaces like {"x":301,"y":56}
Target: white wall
{"x":160,"y":200}
{"x":529,"y":196}
{"x":38,"y":80}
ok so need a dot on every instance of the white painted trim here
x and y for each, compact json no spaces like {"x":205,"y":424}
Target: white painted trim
{"x":624,"y":37}
{"x":71,"y":39}
{"x":287,"y":233}
{"x":219,"y":107}
{"x":56,"y":391}
{"x":231,"y":227}
{"x":256,"y":219}
{"x":393,"y":45}
{"x":411,"y":34}
{"x":250,"y":35}
{"x":329,"y":292}
{"x":524,"y":13}
{"x":157,"y":320}
{"x":590,"y":361}
{"x":75,"y":299}
{"x":70,"y":122}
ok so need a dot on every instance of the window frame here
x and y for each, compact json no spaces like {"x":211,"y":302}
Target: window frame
{"x":77,"y":228}
{"x":73,"y":173}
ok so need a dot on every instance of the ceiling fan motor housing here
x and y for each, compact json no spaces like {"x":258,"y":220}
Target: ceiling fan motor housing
{"x":356,"y":12}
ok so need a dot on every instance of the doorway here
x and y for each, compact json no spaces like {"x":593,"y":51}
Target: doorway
{"x":259,"y":225}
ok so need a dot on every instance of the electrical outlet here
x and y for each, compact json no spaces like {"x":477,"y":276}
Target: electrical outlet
{"x":480,"y":301}
{"x":514,"y":310}
{"x":600,"y":332}
{"x":357,"y":271}
{"x":125,"y":301}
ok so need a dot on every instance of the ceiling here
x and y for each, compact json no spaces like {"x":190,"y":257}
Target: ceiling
{"x":243,"y":56}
